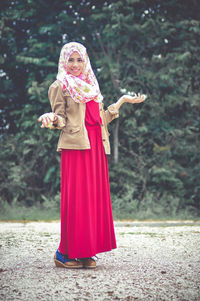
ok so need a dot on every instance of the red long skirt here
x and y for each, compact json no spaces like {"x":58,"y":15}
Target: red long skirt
{"x":86,"y":213}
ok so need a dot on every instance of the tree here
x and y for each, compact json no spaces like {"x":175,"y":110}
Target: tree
{"x":134,"y":45}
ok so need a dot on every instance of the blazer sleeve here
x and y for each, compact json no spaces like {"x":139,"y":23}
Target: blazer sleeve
{"x":58,"y":103}
{"x":111,"y":113}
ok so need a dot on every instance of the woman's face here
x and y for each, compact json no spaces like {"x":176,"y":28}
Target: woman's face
{"x":75,"y":64}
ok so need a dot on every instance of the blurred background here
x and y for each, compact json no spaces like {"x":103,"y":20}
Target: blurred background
{"x":146,"y":46}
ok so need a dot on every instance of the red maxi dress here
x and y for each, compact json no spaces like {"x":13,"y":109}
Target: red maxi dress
{"x":86,"y":214}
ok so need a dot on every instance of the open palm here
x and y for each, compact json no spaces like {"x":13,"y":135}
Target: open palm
{"x":136,"y":98}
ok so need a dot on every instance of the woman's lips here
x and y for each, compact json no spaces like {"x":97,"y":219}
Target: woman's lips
{"x":75,"y":70}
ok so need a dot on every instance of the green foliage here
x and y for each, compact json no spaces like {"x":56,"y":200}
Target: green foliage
{"x":146,"y":46}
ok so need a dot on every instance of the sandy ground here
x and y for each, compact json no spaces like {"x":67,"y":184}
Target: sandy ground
{"x":153,"y":261}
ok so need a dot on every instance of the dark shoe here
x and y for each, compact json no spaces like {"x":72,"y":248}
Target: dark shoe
{"x":63,"y":261}
{"x":88,"y":263}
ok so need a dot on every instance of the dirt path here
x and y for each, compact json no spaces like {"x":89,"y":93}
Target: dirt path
{"x":152,"y":262}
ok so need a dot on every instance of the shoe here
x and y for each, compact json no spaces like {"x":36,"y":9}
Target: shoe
{"x":88,"y":263}
{"x":63,"y":261}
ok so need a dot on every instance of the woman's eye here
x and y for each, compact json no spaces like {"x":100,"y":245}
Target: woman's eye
{"x":71,"y":60}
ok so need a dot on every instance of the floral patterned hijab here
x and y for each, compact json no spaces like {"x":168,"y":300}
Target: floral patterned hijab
{"x":82,"y":88}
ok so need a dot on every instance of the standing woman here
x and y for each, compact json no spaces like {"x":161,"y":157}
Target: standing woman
{"x":86,"y":214}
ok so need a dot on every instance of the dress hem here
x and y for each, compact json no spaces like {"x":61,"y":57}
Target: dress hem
{"x":92,"y":254}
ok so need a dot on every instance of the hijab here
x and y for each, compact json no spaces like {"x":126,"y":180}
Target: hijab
{"x":82,"y":88}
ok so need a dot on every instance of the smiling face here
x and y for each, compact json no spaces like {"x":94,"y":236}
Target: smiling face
{"x":75,"y":64}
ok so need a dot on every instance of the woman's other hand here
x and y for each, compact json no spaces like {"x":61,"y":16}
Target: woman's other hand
{"x":47,"y":119}
{"x":136,"y":98}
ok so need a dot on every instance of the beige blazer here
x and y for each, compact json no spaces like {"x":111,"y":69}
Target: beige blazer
{"x":71,"y":119}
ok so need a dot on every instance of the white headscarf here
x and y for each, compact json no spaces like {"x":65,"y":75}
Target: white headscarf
{"x":82,"y":88}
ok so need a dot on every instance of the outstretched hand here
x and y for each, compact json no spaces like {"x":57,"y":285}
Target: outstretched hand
{"x":136,"y":98}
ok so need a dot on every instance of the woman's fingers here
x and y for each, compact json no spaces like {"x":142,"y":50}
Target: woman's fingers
{"x":140,"y":98}
{"x":46,"y":119}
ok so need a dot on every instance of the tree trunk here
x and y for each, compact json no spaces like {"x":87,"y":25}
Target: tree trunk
{"x":116,"y":141}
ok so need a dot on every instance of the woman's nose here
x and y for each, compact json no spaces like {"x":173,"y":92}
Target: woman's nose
{"x":75,"y":63}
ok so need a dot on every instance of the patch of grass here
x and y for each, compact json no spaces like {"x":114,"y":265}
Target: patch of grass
{"x":150,"y":215}
{"x":49,"y":210}
{"x":35,"y":213}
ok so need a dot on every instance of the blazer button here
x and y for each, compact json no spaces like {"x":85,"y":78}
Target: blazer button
{"x":70,"y":131}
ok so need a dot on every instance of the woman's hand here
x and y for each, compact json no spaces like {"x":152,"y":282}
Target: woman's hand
{"x":136,"y":98}
{"x":47,"y":119}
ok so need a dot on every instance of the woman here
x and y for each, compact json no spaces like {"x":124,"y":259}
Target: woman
{"x":86,"y":214}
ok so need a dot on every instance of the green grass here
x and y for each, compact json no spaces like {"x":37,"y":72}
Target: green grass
{"x":35,"y":213}
{"x":49,"y":211}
